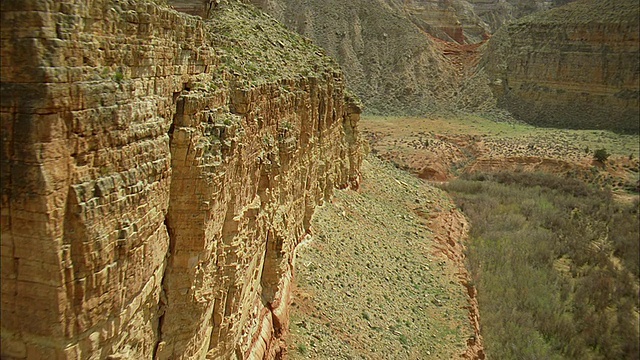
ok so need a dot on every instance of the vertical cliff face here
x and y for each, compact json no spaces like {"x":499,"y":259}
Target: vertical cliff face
{"x":573,"y":66}
{"x":157,"y":173}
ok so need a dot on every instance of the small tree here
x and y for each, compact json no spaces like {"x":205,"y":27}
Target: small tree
{"x":601,"y":155}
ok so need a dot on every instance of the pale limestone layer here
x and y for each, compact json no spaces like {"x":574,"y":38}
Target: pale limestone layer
{"x":141,"y":217}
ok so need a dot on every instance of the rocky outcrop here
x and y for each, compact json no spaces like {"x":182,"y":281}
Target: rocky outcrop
{"x":157,"y":173}
{"x":449,"y":20}
{"x":469,"y":21}
{"x":496,"y":13}
{"x":573,"y":66}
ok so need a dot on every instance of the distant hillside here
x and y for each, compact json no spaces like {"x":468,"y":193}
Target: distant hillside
{"x":574,"y":66}
{"x":394,"y":66}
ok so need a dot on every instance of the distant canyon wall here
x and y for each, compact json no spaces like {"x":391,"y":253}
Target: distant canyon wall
{"x":390,"y":63}
{"x":575,"y":66}
{"x":395,"y":53}
{"x":156,"y":179}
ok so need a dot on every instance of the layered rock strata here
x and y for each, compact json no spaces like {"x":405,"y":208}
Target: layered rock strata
{"x":574,"y":66}
{"x":390,"y":63}
{"x":157,"y":173}
{"x":449,"y":20}
{"x":500,"y":12}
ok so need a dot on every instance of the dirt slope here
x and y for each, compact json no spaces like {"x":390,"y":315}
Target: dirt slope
{"x":382,"y":277}
{"x":439,"y":148}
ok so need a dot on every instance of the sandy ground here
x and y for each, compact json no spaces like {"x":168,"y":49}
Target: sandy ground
{"x":439,"y":149}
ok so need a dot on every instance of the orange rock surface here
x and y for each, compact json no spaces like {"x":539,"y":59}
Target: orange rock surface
{"x":145,"y":213}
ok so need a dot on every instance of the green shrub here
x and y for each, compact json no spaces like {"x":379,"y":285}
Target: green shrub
{"x":119,"y":76}
{"x":404,"y":340}
{"x":601,"y":155}
{"x":556,"y":265}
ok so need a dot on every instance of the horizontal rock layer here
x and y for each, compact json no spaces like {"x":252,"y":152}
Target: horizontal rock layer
{"x":156,"y":178}
{"x":574,"y":66}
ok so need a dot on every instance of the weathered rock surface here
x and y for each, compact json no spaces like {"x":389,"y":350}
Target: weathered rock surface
{"x":390,"y":52}
{"x":156,"y":177}
{"x":574,"y":66}
{"x":469,"y":21}
{"x":449,"y":20}
{"x":496,"y":13}
{"x":389,"y":62}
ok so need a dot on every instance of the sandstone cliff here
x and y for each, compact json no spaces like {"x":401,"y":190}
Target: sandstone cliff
{"x":157,"y":173}
{"x":573,"y":66}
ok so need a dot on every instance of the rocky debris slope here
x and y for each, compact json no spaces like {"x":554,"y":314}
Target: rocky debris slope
{"x":574,"y":66}
{"x":157,"y":173}
{"x":382,"y":276}
{"x":389,"y":62}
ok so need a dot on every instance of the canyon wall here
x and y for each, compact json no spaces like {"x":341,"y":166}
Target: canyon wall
{"x":448,"y":20}
{"x":157,"y":173}
{"x":395,"y":53}
{"x":393,"y":65}
{"x":574,"y":66}
{"x":496,"y":13}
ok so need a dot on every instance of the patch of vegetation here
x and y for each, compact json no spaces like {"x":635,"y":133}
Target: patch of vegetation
{"x":365,"y":315}
{"x":255,"y":49}
{"x":403,"y":340}
{"x":601,"y":155}
{"x":302,"y":349}
{"x":556,"y":266}
{"x":119,"y":76}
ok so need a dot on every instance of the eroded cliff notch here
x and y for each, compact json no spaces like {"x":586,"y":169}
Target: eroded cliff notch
{"x":157,"y":172}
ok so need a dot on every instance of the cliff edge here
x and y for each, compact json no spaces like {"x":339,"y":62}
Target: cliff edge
{"x":158,"y":171}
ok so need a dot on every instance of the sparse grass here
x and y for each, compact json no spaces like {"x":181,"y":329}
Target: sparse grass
{"x":556,"y":266}
{"x":379,"y":313}
{"x":256,"y":49}
{"x":616,"y":144}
